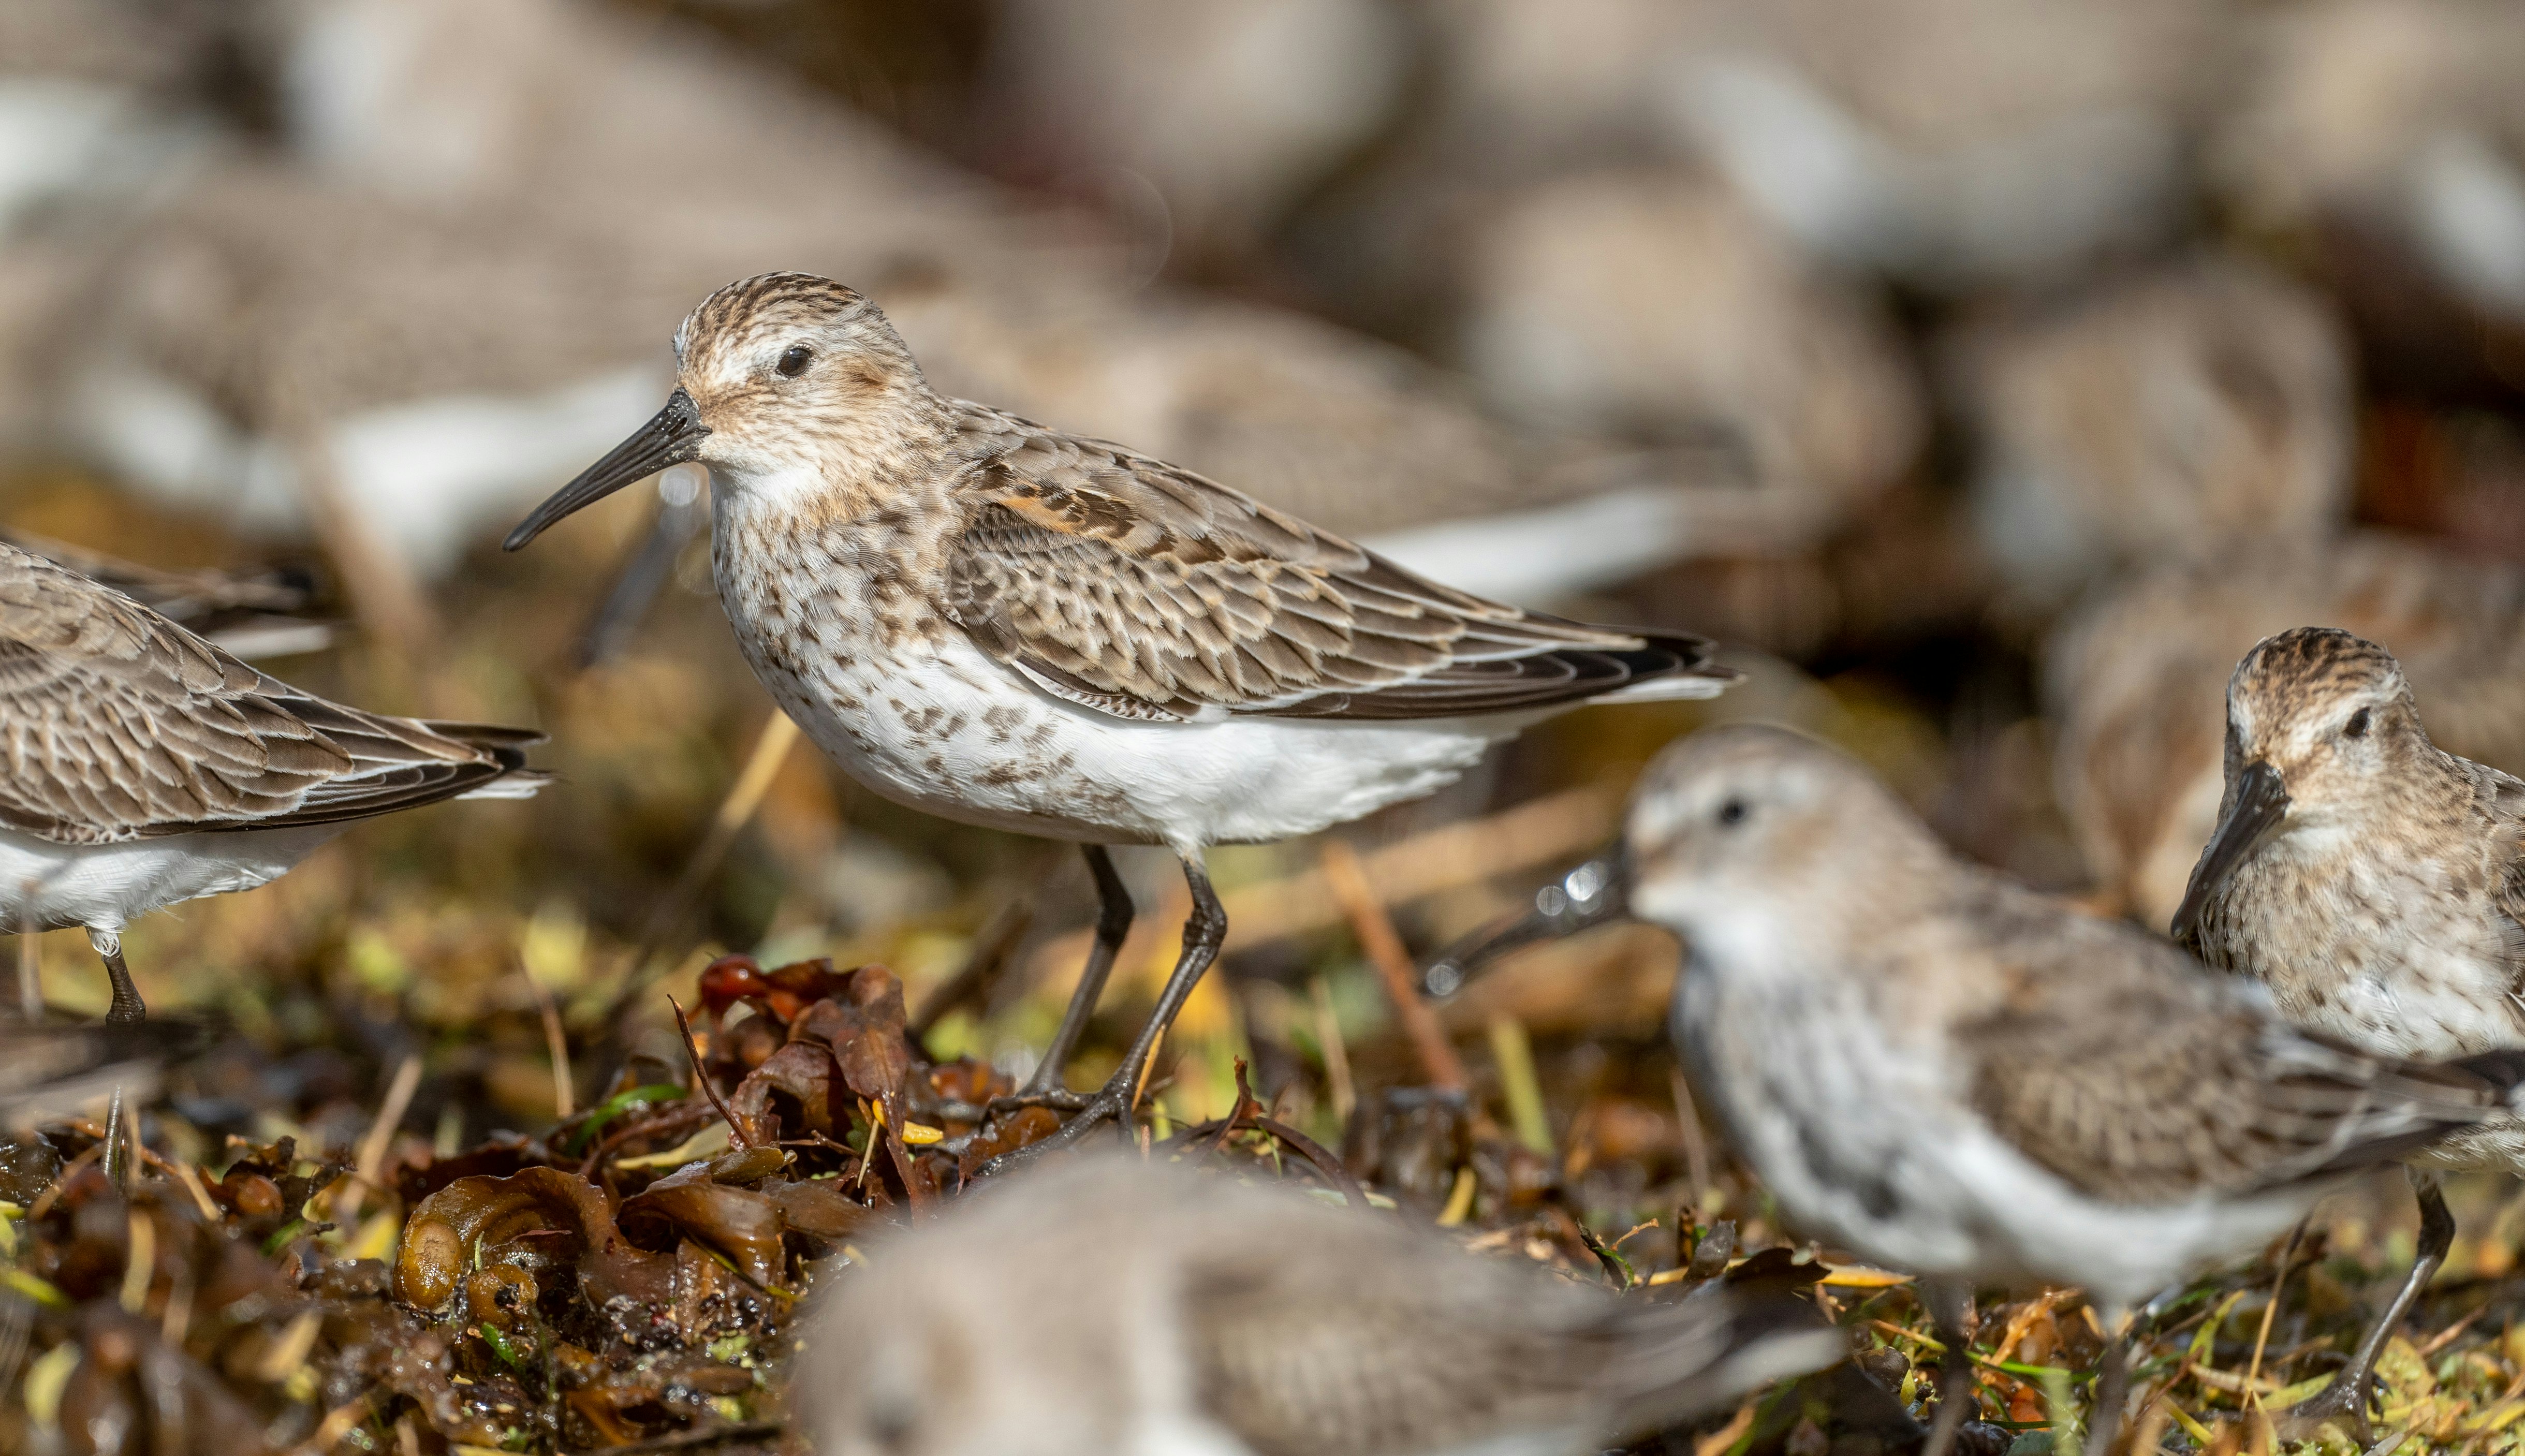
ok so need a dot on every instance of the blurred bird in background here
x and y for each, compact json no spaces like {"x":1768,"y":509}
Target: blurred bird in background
{"x":1932,"y":1065}
{"x":1231,"y":1316}
{"x":148,"y":767}
{"x":2181,"y":414}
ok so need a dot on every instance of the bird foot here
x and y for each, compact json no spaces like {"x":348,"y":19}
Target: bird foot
{"x":2344,"y":1402}
{"x":1059,"y":1099}
{"x":1112,"y":1103}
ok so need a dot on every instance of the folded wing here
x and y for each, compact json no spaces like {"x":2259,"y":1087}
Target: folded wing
{"x":2219,"y":1096}
{"x":116,"y":724}
{"x":1145,"y":591}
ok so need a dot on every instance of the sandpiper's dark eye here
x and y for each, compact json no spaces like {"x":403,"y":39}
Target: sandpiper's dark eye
{"x":2356,"y":727}
{"x":793,"y":361}
{"x":1733,"y":811}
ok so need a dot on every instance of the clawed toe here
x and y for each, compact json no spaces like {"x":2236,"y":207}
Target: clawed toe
{"x":1111,"y":1104}
{"x":2343,"y":1401}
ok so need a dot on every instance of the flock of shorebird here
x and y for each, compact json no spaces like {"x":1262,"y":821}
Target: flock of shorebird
{"x":1927,"y":1064}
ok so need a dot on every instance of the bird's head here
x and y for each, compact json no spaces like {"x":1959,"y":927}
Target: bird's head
{"x":1755,"y":824}
{"x":2319,"y":724}
{"x":782,"y":382}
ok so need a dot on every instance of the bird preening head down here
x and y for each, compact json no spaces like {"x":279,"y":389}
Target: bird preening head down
{"x":1113,"y":1304}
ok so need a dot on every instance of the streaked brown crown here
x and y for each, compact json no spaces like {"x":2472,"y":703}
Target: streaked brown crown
{"x":2311,"y":673}
{"x":2308,"y":659}
{"x":766,"y":303}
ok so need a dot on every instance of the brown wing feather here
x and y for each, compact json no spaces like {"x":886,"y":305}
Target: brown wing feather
{"x":1147,"y":591}
{"x":2217,"y":1094}
{"x":116,"y":724}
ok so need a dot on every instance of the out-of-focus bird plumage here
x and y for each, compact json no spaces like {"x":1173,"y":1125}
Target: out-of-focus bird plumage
{"x":2173,"y":416}
{"x":1113,"y":1305}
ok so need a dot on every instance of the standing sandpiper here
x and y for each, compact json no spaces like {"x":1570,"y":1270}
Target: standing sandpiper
{"x":1112,"y":1305}
{"x":1949,"y":1073}
{"x":1013,"y":627}
{"x":2376,"y":884}
{"x":144,"y":766}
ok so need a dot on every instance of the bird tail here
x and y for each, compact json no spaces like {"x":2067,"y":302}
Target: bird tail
{"x":518,"y":783}
{"x":509,"y":746}
{"x":2504,"y":1069}
{"x":1671,"y":669}
{"x":1704,"y":1351}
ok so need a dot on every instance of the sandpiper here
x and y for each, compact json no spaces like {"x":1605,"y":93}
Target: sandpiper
{"x":1116,"y":1305}
{"x":1946,"y":1072}
{"x":2171,"y":415}
{"x":2137,"y":682}
{"x":146,"y":767}
{"x":2370,"y":880}
{"x":1015,"y":627}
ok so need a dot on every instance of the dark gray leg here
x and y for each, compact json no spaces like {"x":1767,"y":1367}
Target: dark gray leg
{"x":1112,"y":924}
{"x":126,"y":1007}
{"x":2352,"y":1392}
{"x":1204,"y":933}
{"x":2112,"y":1385}
{"x":1957,"y":1400}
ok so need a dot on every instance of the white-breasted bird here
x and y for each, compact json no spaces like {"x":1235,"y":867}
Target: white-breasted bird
{"x":145,"y":766}
{"x":1015,"y":627}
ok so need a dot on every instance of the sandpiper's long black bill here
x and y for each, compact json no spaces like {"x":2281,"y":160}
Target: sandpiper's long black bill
{"x":671,"y":438}
{"x":1589,"y":896}
{"x":2262,"y":801}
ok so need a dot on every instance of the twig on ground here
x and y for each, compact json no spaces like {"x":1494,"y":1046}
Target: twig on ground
{"x":668,"y":1121}
{"x":556,"y":1045}
{"x":1336,"y":1053}
{"x":1513,"y":1054}
{"x":736,"y":1130}
{"x":30,"y":979}
{"x":770,"y":749}
{"x":372,"y":1147}
{"x":1247,"y":1114}
{"x":1695,"y":1143}
{"x":2270,"y":1311}
{"x":1349,"y":884}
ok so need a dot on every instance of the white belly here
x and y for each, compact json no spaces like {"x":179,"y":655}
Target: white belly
{"x":44,"y":886}
{"x":954,"y":733}
{"x":1867,"y":1148}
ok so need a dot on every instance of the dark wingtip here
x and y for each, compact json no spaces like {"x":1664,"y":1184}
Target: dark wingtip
{"x":2504,"y":1069}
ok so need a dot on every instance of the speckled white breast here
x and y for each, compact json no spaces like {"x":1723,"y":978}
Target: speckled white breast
{"x":942,"y":727}
{"x":905,"y":703}
{"x":44,"y":886}
{"x":2376,"y":955}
